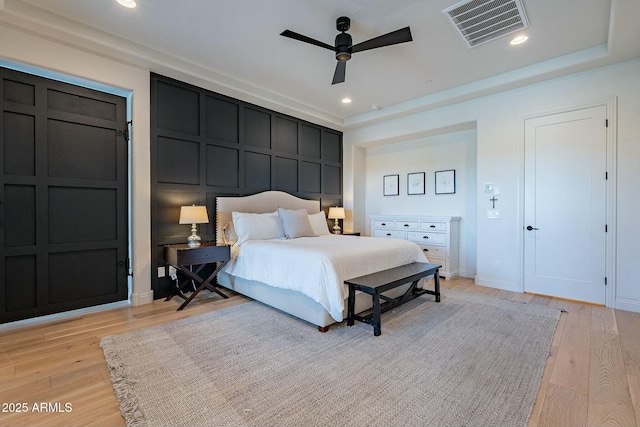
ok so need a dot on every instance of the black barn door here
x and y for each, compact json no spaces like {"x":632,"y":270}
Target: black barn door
{"x":63,"y":197}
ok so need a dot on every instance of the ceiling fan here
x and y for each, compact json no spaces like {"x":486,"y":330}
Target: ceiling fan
{"x":344,"y":46}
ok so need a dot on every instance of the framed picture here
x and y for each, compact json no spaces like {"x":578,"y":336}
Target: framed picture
{"x":446,"y":182}
{"x":415,"y":183}
{"x":391,"y":185}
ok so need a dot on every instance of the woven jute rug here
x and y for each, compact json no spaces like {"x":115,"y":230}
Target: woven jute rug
{"x":470,"y":360}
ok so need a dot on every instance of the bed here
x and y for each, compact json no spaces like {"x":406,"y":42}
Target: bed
{"x":298,"y":272}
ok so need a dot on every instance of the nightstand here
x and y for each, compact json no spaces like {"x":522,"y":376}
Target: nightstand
{"x":184,"y":258}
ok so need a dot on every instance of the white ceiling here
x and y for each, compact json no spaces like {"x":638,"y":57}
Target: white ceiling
{"x":237,"y":44}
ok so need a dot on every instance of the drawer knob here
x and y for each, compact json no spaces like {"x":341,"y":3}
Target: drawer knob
{"x":425,"y":237}
{"x":406,"y":225}
{"x":426,"y":250}
{"x":388,"y":234}
{"x":432,"y":226}
{"x":384,"y":223}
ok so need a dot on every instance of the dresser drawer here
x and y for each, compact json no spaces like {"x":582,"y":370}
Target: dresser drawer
{"x":444,"y":270}
{"x":427,"y":238}
{"x":382,"y":224}
{"x":407,"y":225}
{"x":433,"y":226}
{"x":390,"y":234}
{"x":434,"y":251}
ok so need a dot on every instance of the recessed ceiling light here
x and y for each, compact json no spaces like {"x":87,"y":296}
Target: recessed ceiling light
{"x":518,"y":40}
{"x":128,"y":3}
{"x":346,"y":100}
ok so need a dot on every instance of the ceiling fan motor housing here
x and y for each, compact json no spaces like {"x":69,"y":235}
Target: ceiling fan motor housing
{"x":343,"y":47}
{"x":343,"y":23}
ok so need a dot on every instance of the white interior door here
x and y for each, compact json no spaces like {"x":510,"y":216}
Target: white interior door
{"x":565,"y":205}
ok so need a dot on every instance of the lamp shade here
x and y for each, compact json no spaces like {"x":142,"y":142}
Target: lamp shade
{"x":193,"y":215}
{"x":336,"y":213}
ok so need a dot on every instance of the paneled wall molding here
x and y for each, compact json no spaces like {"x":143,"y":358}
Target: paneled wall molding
{"x":205,"y":145}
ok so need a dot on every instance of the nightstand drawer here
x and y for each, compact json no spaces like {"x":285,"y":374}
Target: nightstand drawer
{"x":407,"y":225}
{"x":183,"y":255}
{"x":427,"y":238}
{"x":433,"y":226}
{"x":390,"y":234}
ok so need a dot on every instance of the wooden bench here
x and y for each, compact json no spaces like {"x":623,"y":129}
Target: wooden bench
{"x":376,"y":283}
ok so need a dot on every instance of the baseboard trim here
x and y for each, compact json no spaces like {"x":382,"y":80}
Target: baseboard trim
{"x":497,"y":284}
{"x":141,"y":299}
{"x":627,"y":305}
{"x":468,"y":274}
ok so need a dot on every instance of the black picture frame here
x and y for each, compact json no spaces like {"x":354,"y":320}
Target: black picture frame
{"x":446,"y":181}
{"x":415,"y":183}
{"x":391,"y":185}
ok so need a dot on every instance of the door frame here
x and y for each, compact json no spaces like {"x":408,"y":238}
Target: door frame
{"x":610,"y":104}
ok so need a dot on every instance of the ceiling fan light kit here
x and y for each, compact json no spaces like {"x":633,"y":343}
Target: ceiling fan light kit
{"x":344,"y":47}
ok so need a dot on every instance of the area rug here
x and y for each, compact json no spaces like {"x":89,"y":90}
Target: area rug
{"x":470,"y":360}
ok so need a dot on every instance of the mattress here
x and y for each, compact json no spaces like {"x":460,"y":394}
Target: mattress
{"x":318,"y":266}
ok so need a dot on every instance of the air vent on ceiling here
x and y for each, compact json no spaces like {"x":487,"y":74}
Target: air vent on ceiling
{"x":480,"y":21}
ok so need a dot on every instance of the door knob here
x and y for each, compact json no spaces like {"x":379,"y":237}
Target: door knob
{"x":531,"y":228}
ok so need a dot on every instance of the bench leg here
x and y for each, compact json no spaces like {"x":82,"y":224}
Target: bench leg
{"x":351,"y":306}
{"x":436,"y":278}
{"x":377,"y":329}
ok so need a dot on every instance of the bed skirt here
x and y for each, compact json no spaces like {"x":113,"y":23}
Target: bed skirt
{"x":295,"y":303}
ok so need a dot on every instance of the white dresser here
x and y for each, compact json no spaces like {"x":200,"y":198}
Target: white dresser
{"x":436,"y":235}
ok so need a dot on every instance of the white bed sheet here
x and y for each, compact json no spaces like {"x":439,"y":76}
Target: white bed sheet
{"x":318,"y":266}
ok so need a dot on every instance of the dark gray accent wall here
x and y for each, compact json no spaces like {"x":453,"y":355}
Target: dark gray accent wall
{"x":205,"y":145}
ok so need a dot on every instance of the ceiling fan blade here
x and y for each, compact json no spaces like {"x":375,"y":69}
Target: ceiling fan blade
{"x":398,"y":36}
{"x":303,"y":38}
{"x":338,"y":76}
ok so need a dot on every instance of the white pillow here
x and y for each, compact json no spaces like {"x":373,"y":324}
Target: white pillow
{"x":251,"y":226}
{"x":319,"y":224}
{"x":229,"y":234}
{"x":295,"y":223}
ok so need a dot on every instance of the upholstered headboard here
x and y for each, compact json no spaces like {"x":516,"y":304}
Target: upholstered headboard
{"x":265,"y":202}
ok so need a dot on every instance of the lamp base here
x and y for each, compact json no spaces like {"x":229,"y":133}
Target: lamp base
{"x":193,"y":241}
{"x":336,"y":228}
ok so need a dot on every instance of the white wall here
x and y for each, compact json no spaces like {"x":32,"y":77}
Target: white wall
{"x":498,"y":121}
{"x":456,"y":150}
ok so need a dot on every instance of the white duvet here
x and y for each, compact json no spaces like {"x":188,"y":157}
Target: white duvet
{"x":318,"y":266}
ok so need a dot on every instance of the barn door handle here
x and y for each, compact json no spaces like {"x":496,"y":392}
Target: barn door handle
{"x":531,"y":228}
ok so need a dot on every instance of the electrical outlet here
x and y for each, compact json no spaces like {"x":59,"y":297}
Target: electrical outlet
{"x":493,"y":213}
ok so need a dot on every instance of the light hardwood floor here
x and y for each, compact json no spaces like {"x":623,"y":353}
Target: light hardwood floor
{"x":592,"y":377}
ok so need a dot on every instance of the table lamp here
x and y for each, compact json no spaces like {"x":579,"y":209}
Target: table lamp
{"x":336,"y":214}
{"x":193,"y":215}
